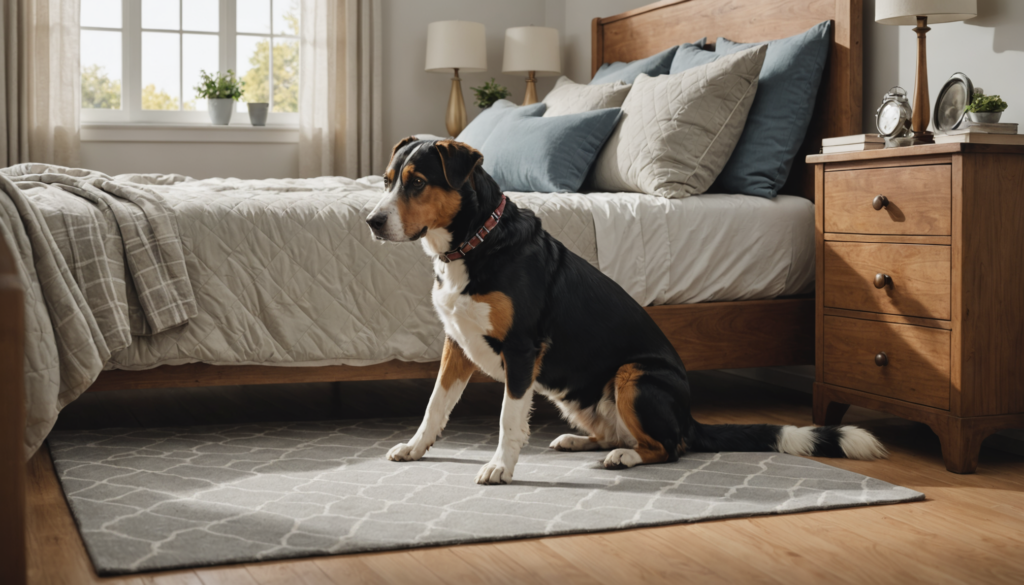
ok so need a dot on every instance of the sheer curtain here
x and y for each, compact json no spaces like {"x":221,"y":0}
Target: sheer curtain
{"x":340,"y":115}
{"x":40,"y":82}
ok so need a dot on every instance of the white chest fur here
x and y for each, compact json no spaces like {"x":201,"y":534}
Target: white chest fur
{"x":465,"y":320}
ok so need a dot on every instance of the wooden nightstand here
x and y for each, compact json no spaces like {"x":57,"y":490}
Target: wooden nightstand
{"x":920,"y":289}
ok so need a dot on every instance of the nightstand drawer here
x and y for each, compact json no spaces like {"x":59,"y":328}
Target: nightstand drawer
{"x":918,"y":201}
{"x":915,"y":277}
{"x":915,"y":360}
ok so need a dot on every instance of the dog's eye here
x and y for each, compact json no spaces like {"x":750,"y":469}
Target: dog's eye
{"x":387,"y":184}
{"x":417,"y":183}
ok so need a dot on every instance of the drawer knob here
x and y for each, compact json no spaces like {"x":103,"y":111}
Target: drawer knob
{"x":882,"y":280}
{"x":881,"y":359}
{"x":880,"y":202}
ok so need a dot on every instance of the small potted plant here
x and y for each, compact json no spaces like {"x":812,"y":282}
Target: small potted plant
{"x":221,"y":92}
{"x":985,"y":109}
{"x":490,"y":92}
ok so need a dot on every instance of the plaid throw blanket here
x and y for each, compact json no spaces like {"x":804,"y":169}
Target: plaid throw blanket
{"x":105,"y":257}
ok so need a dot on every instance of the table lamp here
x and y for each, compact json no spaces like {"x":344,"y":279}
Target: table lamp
{"x":458,"y":45}
{"x":533,"y":51}
{"x":919,"y":12}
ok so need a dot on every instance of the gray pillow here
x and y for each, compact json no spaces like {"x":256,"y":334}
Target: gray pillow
{"x":677,"y":131}
{"x":568,"y":97}
{"x":627,"y":72}
{"x":547,"y":155}
{"x":476,"y":133}
{"x":689,"y":56}
{"x":780,"y":114}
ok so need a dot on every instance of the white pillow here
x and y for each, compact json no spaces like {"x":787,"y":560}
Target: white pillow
{"x":569,"y":97}
{"x":678,"y":131}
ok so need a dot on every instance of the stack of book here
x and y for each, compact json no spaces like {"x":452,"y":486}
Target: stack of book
{"x":1003,"y":133}
{"x":855,"y":143}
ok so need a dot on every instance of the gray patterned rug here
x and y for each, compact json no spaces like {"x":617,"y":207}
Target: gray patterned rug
{"x":172,"y":498}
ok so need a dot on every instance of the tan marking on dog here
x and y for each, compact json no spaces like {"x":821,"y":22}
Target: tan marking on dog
{"x":409,"y":172}
{"x":455,"y":366}
{"x":501,"y":313}
{"x":626,"y":379}
{"x":434,"y":207}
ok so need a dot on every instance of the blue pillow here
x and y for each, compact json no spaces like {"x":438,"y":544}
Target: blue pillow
{"x":547,"y":155}
{"x":627,"y":72}
{"x":476,"y":133}
{"x":689,"y":56}
{"x":781,"y":112}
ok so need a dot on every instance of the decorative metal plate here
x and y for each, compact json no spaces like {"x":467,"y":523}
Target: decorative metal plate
{"x":954,"y":97}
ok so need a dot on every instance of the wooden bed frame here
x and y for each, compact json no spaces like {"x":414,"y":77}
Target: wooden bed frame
{"x":742,"y":334}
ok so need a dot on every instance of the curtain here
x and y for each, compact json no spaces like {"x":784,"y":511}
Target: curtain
{"x":340,"y":119}
{"x":40,"y":82}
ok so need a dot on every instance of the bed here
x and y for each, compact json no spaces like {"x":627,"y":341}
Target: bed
{"x":708,"y":335}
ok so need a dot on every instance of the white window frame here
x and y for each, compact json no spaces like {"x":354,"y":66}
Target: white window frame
{"x":131,"y":111}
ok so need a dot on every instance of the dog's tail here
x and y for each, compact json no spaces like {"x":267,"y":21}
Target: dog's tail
{"x":836,"y":441}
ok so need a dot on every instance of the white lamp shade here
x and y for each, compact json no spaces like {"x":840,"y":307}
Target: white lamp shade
{"x":937,"y":11}
{"x":456,"y":44}
{"x":532,"y":48}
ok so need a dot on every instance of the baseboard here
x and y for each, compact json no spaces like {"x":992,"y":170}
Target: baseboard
{"x":802,"y":378}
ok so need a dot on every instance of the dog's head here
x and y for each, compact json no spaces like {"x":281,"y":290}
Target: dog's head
{"x":427,"y":187}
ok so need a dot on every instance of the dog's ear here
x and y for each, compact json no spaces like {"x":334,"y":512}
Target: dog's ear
{"x":399,"y":146}
{"x":458,"y":161}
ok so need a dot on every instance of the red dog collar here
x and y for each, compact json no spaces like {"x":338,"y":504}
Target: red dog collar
{"x":481,"y":234}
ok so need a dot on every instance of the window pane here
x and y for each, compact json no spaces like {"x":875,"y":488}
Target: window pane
{"x":198,"y":52}
{"x":253,"y":16}
{"x":286,"y":17}
{"x":160,"y":71}
{"x":101,"y":69}
{"x":103,"y":13}
{"x":286,"y":75}
{"x":160,"y":14}
{"x":253,"y":54}
{"x":202,"y":15}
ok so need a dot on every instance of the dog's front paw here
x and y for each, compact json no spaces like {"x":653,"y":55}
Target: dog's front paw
{"x":620,"y":458}
{"x":494,"y":473}
{"x":405,"y":452}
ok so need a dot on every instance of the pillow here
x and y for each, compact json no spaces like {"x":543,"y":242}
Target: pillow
{"x":626,"y":72}
{"x":780,"y":115}
{"x":547,"y":155}
{"x":476,"y":133}
{"x":569,"y":97}
{"x":677,"y":131}
{"x":689,"y":56}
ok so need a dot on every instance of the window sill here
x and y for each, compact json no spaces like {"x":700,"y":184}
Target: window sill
{"x":107,"y":132}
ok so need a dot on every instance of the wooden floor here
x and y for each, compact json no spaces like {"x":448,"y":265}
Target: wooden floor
{"x":970,"y":529}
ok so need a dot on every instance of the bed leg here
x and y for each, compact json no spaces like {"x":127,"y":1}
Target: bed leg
{"x":13,"y":562}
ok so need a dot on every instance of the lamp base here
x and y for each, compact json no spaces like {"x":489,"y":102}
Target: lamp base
{"x":921,"y":108}
{"x":531,"y":89}
{"x":455,"y":118}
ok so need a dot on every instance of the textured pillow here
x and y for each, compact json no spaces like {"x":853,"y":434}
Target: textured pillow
{"x":476,"y":133}
{"x":677,"y":131}
{"x":626,"y":72}
{"x":569,"y":97}
{"x":547,"y":155}
{"x":780,"y":115}
{"x":689,"y":56}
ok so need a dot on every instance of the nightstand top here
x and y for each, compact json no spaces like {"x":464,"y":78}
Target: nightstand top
{"x":921,"y":150}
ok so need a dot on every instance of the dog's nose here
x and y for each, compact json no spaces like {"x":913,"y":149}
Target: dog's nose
{"x":377,"y":221}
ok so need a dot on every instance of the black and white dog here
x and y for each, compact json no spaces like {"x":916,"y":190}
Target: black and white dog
{"x":520,"y":307}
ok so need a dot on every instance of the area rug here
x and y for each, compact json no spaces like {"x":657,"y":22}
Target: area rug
{"x":173,"y":498}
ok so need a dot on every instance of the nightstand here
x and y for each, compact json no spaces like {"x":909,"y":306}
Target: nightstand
{"x":920,"y":289}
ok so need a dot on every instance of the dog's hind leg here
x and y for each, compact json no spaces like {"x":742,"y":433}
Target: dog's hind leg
{"x":455,"y":372}
{"x":571,"y":442}
{"x":646,"y":413}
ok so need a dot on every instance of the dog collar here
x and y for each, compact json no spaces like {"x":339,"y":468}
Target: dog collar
{"x":478,"y":238}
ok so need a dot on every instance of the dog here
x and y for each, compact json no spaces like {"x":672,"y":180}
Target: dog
{"x":520,"y":307}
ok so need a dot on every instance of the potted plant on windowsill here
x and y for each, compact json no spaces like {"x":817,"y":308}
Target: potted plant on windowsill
{"x":221,"y":93}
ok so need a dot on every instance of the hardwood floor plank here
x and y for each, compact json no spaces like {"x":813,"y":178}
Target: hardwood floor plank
{"x":348,"y":570}
{"x":235,"y":575}
{"x":298,"y":572}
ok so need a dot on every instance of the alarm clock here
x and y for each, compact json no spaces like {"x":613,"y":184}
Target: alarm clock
{"x":893,"y":118}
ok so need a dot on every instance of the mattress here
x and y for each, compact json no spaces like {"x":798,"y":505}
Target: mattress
{"x":284,"y":272}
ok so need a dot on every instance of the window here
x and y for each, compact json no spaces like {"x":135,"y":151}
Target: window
{"x":141,"y":59}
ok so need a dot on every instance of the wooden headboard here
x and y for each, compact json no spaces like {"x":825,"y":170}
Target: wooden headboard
{"x":653,"y":28}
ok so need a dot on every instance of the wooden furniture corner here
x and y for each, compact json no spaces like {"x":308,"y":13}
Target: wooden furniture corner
{"x":12,"y":422}
{"x":920,"y":289}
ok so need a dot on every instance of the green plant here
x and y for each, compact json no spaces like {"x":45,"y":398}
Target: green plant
{"x":489,"y":93}
{"x":219,"y":87}
{"x":985,"y":103}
